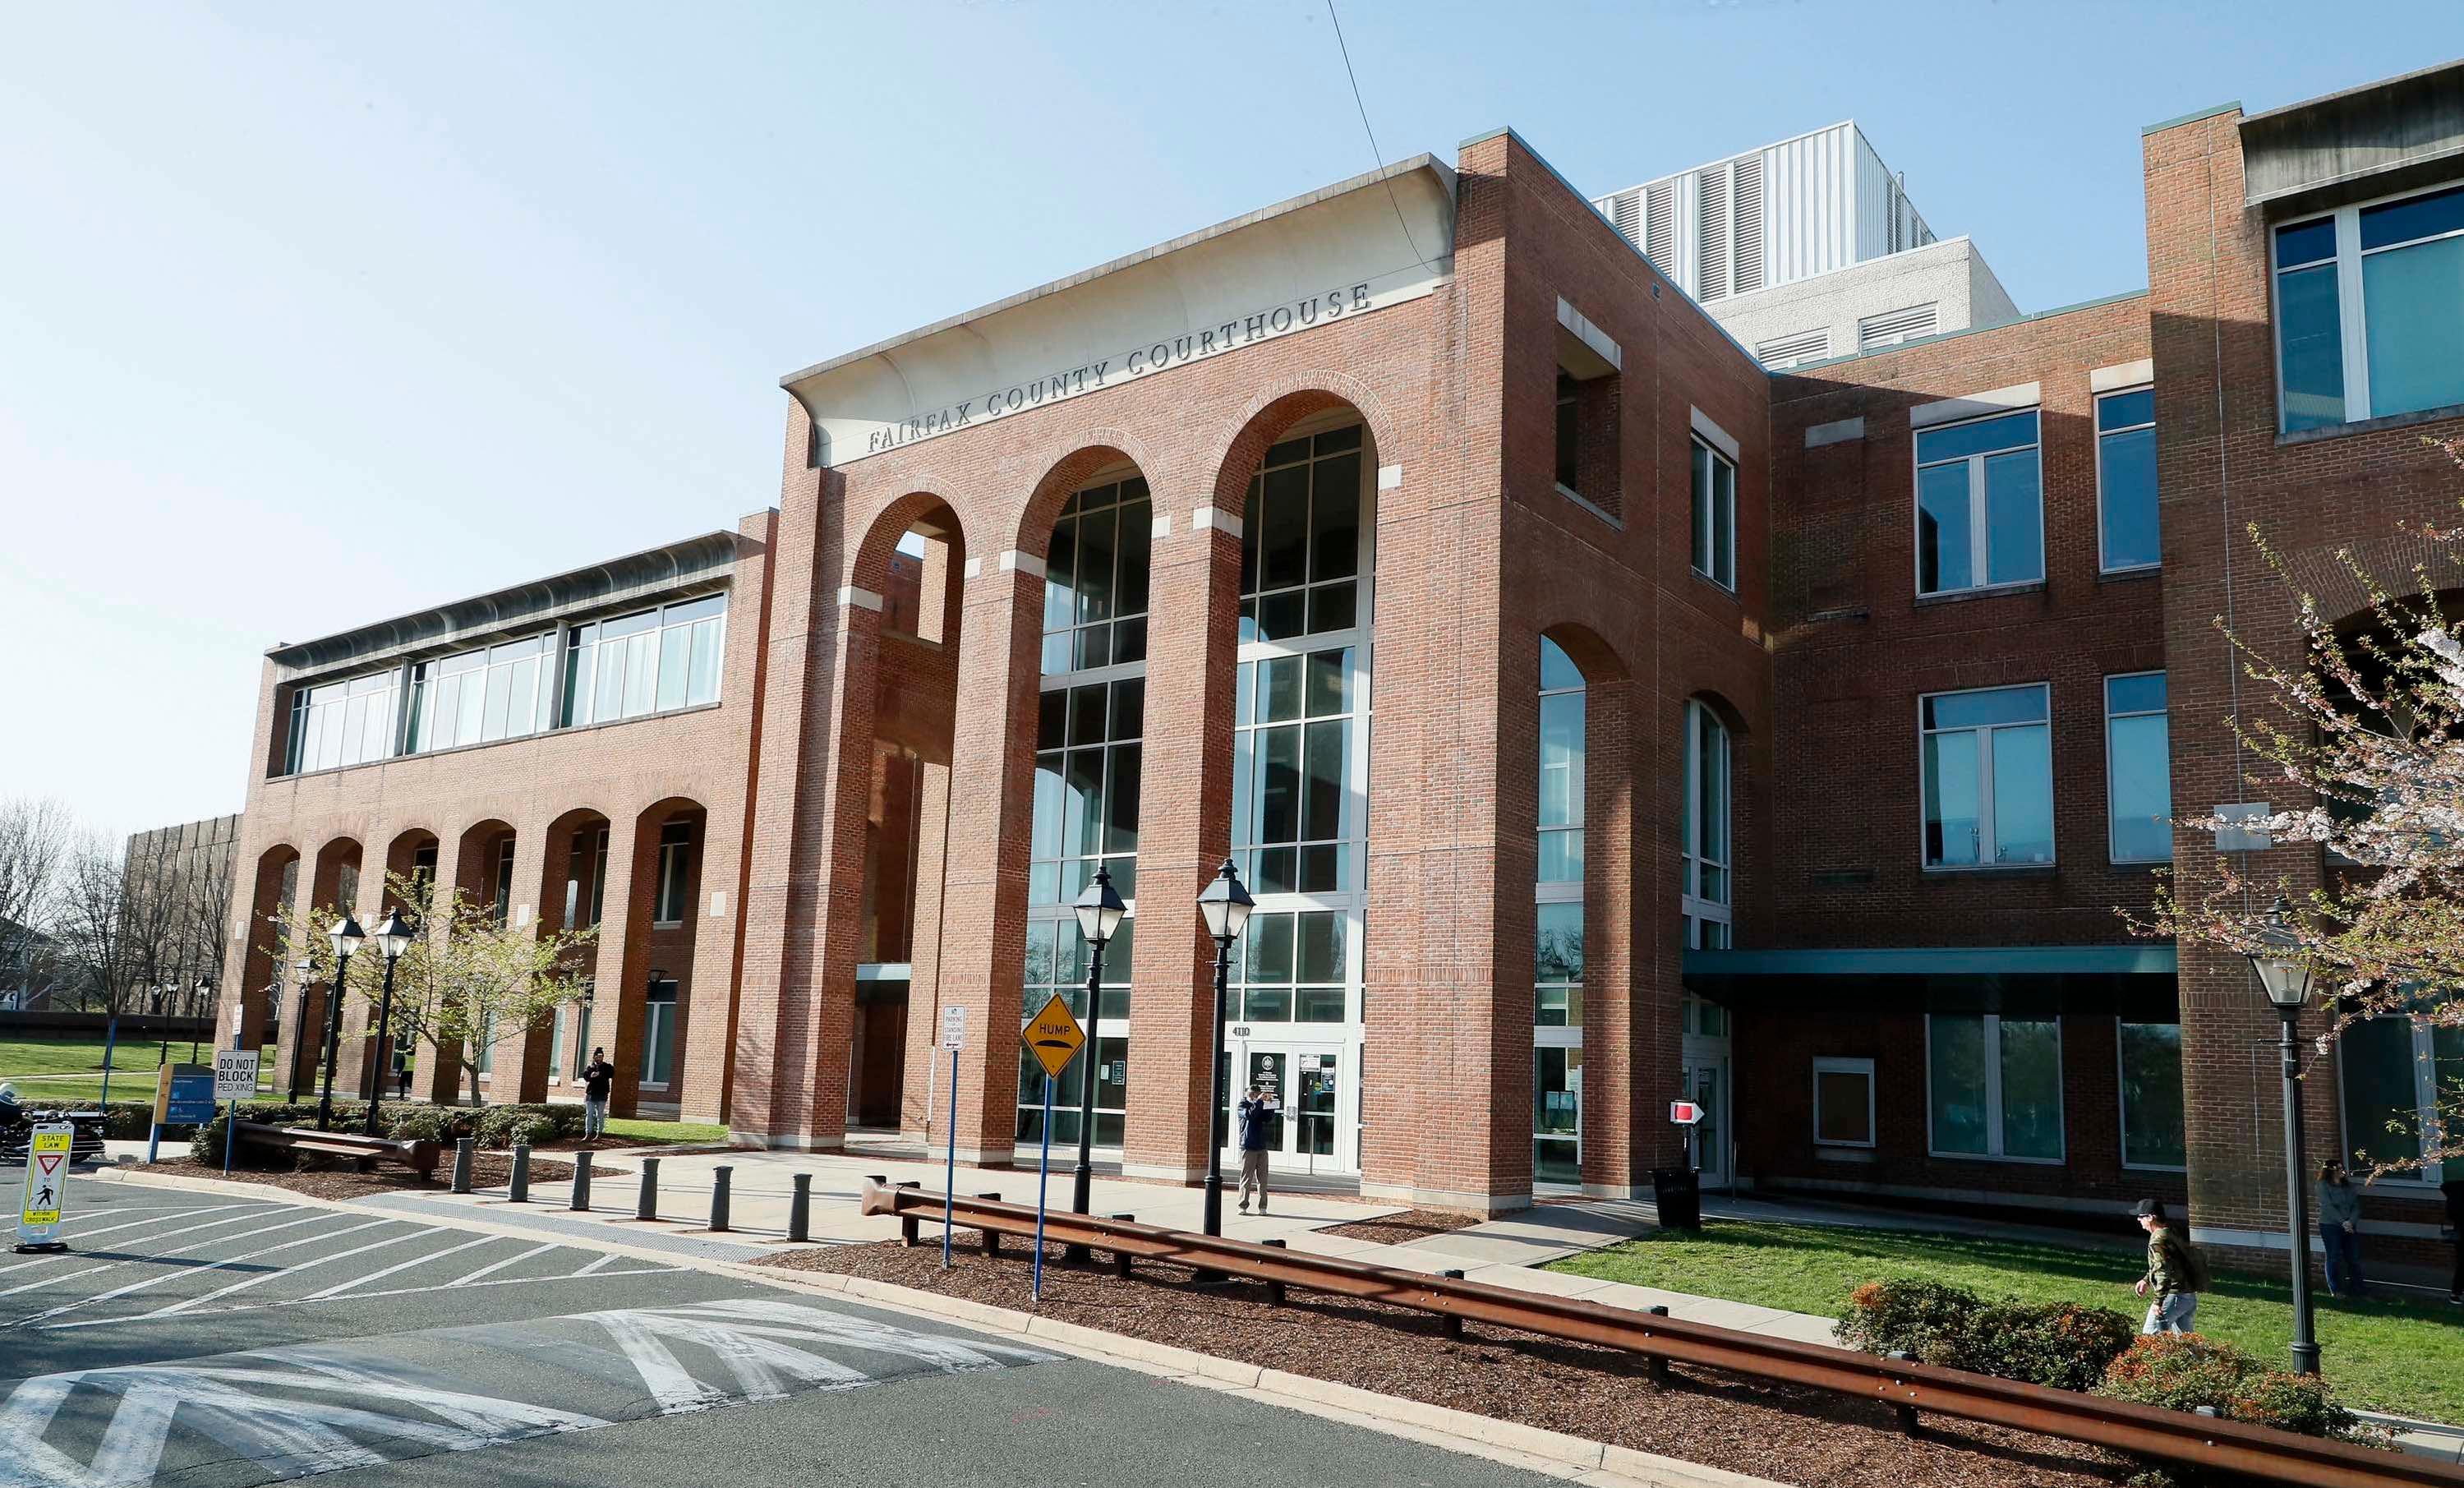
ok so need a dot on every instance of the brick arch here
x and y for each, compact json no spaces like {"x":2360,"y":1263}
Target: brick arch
{"x":1731,"y":718}
{"x":2332,"y":575}
{"x":1298,"y":396}
{"x":1591,"y":655}
{"x":1094,"y":451}
{"x":869,"y":568}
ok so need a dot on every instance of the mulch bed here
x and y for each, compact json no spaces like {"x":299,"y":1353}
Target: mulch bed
{"x":334,"y":1178}
{"x":1792,"y":1433}
{"x":1412,"y":1224}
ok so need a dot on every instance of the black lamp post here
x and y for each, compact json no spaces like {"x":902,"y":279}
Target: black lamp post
{"x":393,"y":936}
{"x":2287,"y":980}
{"x":1099,"y":914}
{"x":1226,"y":905}
{"x":347,"y":937}
{"x":205,"y":1000}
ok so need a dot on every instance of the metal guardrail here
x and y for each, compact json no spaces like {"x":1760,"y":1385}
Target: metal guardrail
{"x":2258,"y":1452}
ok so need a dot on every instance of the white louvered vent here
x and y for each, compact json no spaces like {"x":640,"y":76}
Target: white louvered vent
{"x":1787,"y":351}
{"x":1747,"y":227}
{"x":1659,"y":224}
{"x":1711,"y":235}
{"x":1625,"y":215}
{"x":1895,"y":326}
{"x":1895,"y":239}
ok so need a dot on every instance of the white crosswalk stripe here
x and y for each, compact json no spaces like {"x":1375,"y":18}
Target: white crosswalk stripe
{"x":250,"y":1284}
{"x":147,"y":1283}
{"x":256,"y":1212}
{"x":357,"y":1281}
{"x":510,"y":1260}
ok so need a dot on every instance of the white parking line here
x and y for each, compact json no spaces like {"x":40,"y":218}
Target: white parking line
{"x":397,"y":1291}
{"x":601,"y":1265}
{"x":149,"y":1283}
{"x":399,"y":1265}
{"x":51,"y":1280}
{"x":248,"y":1282}
{"x":493,"y":1268}
{"x":133,"y":1224}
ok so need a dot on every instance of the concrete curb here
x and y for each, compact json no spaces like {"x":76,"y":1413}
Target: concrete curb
{"x":1553,"y":1453}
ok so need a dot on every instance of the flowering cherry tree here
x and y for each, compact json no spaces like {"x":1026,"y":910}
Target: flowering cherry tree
{"x":2369,"y":720}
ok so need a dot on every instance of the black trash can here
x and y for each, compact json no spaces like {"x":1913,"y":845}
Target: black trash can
{"x":1679,"y":1191}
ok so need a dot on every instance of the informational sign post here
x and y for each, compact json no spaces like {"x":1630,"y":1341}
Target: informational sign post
{"x":47,"y":1184}
{"x":234,"y":1076}
{"x":1054,"y":1037}
{"x":954,"y":1038}
{"x":1687,"y":1114}
{"x":184,"y":1095}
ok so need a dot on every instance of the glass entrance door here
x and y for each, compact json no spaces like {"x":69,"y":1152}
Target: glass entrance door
{"x":1314,"y":1097}
{"x":1707,"y":1084}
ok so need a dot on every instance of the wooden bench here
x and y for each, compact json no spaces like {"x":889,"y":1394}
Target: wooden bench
{"x":363,"y":1153}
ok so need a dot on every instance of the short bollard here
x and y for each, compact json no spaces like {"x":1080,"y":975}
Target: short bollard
{"x":463,"y":1148}
{"x":992,"y":1236}
{"x":720,"y":1177}
{"x":1275,"y":1289}
{"x":799,"y":1209}
{"x":1908,"y":1413}
{"x":1454,"y":1324}
{"x":1657,"y":1365}
{"x":518,"y":1187}
{"x":1121,"y":1259}
{"x":582,"y":1180}
{"x":646,"y":1204}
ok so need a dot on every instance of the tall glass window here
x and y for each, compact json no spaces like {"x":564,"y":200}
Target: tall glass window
{"x":675,"y":872}
{"x":1715,"y":515}
{"x":495,"y":692}
{"x":1994,"y":1086}
{"x":1090,"y":728}
{"x":1987,"y":758}
{"x":2395,"y":1075}
{"x":1558,"y":940}
{"x":342,"y":723}
{"x":2151,"y":1096}
{"x":650,"y":663}
{"x":2401,"y":261}
{"x":659,"y":1032}
{"x":2139,"y":769}
{"x":1704,"y":876}
{"x":1980,"y":505}
{"x":2125,"y":480}
{"x":1300,"y":773}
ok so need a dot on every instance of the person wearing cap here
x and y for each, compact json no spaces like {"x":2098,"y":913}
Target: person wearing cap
{"x":2169,"y":1286}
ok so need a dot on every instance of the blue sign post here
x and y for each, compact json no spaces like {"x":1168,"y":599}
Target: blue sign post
{"x":1042,"y":1172}
{"x":954,"y":1038}
{"x":184,"y":1098}
{"x":1055,"y":1038}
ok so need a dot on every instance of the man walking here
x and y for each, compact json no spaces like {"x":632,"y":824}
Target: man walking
{"x":1257,"y":1136}
{"x":2172,"y":1280}
{"x":598,"y":1077}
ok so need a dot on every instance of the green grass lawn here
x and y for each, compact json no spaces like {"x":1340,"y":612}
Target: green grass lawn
{"x":2405,"y":1357}
{"x":71,"y":1069}
{"x":681,"y":1134}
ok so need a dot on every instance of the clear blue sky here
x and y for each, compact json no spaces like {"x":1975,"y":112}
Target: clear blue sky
{"x":314,"y":314}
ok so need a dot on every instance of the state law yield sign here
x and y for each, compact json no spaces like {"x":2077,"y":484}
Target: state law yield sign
{"x":1053,"y":1037}
{"x":47,"y":1181}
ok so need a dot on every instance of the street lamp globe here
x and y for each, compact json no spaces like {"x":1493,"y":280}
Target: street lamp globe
{"x":1099,"y":909}
{"x":1226,"y":904}
{"x":348,"y":936}
{"x":2284,"y":975}
{"x":394,"y":934}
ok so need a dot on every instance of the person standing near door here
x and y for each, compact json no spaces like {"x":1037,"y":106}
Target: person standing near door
{"x":2340,"y":1230}
{"x":598,"y":1079}
{"x":1257,"y":1137}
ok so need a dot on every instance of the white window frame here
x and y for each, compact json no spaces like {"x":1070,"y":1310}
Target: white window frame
{"x":1709,"y":511}
{"x":2096,"y":426}
{"x":2352,"y":314}
{"x":1988,"y":827}
{"x":1835,"y":1064}
{"x":673,"y":853}
{"x":1994,"y":1141}
{"x":1980,"y":534}
{"x":2122,"y":1102}
{"x":2425,"y":1109}
{"x":2112,"y":854}
{"x":1701,"y":914}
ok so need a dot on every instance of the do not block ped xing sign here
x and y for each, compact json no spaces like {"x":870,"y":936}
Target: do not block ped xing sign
{"x":46,"y":1195}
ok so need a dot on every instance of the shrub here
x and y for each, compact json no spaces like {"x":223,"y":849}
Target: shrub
{"x":2053,"y":1344}
{"x":503,"y":1126}
{"x":122,"y":1120}
{"x":420,"y":1124}
{"x":2184,"y":1371}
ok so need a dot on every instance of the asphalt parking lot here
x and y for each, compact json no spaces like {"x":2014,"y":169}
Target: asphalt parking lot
{"x":214,"y":1341}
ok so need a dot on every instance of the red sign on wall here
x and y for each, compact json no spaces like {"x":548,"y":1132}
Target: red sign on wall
{"x":1685,"y":1113}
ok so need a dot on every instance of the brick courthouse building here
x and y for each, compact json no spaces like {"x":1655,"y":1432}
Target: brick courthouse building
{"x":1596,"y":715}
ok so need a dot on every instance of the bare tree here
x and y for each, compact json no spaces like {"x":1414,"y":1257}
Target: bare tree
{"x":206,"y":908}
{"x":98,"y":951}
{"x":34,"y":842}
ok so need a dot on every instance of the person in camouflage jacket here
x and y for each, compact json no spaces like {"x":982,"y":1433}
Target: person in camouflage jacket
{"x":2171,"y":1284}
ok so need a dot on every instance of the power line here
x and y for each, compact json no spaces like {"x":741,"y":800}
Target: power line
{"x":1374,"y":152}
